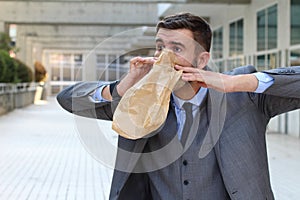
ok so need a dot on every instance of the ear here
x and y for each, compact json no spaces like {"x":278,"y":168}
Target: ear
{"x":203,"y":59}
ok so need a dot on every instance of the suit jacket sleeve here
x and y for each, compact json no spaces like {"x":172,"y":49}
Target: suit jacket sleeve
{"x":286,"y":82}
{"x":76,"y":99}
{"x":283,"y":95}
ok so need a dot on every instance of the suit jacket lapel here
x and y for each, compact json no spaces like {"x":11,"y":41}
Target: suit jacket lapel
{"x":126,"y":160}
{"x":216,"y":115}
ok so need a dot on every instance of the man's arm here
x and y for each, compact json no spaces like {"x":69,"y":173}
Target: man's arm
{"x":139,"y":67}
{"x":243,"y":82}
{"x":77,"y":98}
{"x":281,"y":96}
{"x":286,"y":81}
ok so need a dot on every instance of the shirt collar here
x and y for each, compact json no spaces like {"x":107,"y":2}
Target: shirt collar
{"x":196,"y":100}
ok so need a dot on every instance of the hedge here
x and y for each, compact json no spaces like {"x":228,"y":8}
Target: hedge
{"x":13,"y":70}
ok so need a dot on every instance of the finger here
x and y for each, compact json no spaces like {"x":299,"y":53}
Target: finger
{"x":186,"y":69}
{"x":135,"y":59}
{"x":149,"y":60}
{"x":192,"y":77}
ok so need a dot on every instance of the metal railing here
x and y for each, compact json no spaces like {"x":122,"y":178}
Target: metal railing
{"x":16,"y":95}
{"x":16,"y":88}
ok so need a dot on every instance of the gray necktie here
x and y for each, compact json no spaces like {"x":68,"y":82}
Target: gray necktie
{"x":188,"y":122}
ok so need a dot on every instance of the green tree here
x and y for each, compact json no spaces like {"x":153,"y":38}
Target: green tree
{"x":5,"y":42}
{"x":8,"y":68}
{"x":13,"y":70}
{"x":24,"y":73}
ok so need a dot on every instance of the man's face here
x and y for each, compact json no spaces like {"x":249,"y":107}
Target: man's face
{"x":179,"y":41}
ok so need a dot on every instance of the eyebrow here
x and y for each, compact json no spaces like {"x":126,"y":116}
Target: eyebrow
{"x":158,"y":40}
{"x":178,"y":43}
{"x":172,"y":42}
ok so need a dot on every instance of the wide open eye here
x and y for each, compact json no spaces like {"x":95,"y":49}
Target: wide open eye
{"x":159,"y":47}
{"x":177,"y":49}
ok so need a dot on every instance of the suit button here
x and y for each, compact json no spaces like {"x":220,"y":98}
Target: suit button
{"x":186,"y":182}
{"x":185,"y":162}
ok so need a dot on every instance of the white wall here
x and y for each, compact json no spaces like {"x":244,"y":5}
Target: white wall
{"x":76,"y":12}
{"x":2,"y":26}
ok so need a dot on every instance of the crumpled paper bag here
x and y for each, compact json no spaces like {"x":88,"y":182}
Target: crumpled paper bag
{"x":144,"y":107}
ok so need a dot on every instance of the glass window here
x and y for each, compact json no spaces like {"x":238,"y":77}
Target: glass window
{"x":218,"y":43}
{"x":272,"y":60}
{"x":232,"y":38}
{"x":100,"y":58}
{"x":113,"y":60}
{"x":236,"y":39}
{"x":235,"y":62}
{"x":78,"y":74}
{"x":295,"y":58}
{"x":78,"y":58}
{"x":267,"y":61}
{"x":13,"y":34}
{"x":219,"y":65}
{"x":272,"y":27}
{"x":295,"y":22}
{"x":261,"y":30}
{"x":55,"y":73}
{"x":267,"y":29}
{"x":261,"y":63}
{"x":108,"y":67}
{"x":67,"y":74}
{"x":101,"y":74}
{"x":240,"y":37}
{"x":66,"y":67}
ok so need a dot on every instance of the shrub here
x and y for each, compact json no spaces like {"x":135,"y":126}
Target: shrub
{"x":8,"y":68}
{"x":24,"y":73}
{"x":13,"y":70}
{"x":5,"y":42}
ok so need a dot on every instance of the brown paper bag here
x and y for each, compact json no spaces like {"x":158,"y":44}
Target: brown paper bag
{"x":144,"y":107}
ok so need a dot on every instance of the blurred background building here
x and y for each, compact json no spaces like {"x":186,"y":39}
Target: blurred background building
{"x":78,"y":40}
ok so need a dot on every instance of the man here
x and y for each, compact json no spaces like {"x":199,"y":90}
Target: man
{"x":225,"y":156}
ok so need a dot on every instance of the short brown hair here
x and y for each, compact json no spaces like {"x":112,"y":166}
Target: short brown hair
{"x":200,"y":28}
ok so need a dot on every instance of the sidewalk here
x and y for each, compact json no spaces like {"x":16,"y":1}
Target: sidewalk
{"x":42,"y":157}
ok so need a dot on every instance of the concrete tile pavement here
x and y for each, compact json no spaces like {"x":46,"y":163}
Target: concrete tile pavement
{"x":284,"y":163}
{"x":42,"y":157}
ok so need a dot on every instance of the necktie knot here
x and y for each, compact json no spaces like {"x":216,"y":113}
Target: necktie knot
{"x":187,"y":107}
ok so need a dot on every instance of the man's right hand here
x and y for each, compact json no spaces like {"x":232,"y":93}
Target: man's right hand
{"x":139,"y":67}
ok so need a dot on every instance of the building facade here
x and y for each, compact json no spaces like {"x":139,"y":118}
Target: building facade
{"x":94,"y":40}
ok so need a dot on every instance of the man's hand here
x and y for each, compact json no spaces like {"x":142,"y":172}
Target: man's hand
{"x":139,"y":67}
{"x":218,"y":81}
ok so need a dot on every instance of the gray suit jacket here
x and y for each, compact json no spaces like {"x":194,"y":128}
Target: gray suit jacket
{"x":239,"y":119}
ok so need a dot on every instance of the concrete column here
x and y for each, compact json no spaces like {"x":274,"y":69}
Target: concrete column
{"x":284,"y":31}
{"x":89,"y":67}
{"x":249,"y":31}
{"x":45,"y":61}
{"x":226,"y":41}
{"x":36,"y":53}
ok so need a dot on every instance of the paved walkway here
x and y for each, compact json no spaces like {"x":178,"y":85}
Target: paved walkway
{"x":42,"y":157}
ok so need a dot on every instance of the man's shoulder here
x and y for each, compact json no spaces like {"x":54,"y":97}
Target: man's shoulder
{"x":248,"y":69}
{"x":284,"y":70}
